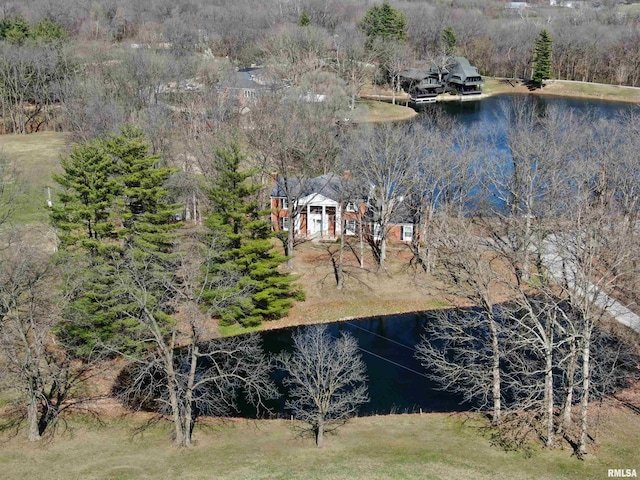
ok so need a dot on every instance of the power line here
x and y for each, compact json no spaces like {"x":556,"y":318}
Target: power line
{"x":385,"y":338}
{"x":389,"y":361}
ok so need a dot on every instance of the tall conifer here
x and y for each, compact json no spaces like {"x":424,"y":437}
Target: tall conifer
{"x":113,"y":204}
{"x":542,"y":58}
{"x":246,"y":250}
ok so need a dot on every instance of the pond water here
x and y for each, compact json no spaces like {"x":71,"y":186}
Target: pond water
{"x":489,"y":110}
{"x":487,"y":118}
{"x":397,"y":382}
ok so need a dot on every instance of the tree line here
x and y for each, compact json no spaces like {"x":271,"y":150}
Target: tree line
{"x":100,"y":84}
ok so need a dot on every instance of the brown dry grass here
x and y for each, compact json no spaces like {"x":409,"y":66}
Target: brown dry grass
{"x":565,"y":88}
{"x":370,"y":291}
{"x":430,"y":446}
{"x":373,"y":111}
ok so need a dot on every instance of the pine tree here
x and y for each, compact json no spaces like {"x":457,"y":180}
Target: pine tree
{"x":146,"y":216}
{"x":542,"y":58}
{"x":113,"y":205}
{"x":384,"y":21}
{"x":88,"y":192}
{"x":449,"y":41}
{"x":245,"y":247}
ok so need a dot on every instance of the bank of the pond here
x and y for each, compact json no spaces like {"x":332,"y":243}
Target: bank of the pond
{"x":368,"y":292}
{"x":380,"y":109}
{"x":376,"y":106}
{"x":563,"y":88}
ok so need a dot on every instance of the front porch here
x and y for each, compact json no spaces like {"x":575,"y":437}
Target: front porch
{"x":318,"y":221}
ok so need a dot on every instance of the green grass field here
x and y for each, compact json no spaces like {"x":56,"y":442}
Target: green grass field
{"x":34,"y":157}
{"x":435,"y":446}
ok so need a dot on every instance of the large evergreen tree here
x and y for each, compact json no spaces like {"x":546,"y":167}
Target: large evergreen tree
{"x":542,"y":58}
{"x":113,"y":203}
{"x":448,"y":40}
{"x":246,"y":250}
{"x":384,"y":21}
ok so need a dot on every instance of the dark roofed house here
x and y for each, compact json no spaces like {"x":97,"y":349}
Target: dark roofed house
{"x":423,"y":85}
{"x":464,"y":78}
{"x":319,"y":202}
{"x":324,"y":209}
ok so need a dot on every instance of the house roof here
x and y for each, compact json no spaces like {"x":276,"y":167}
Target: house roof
{"x":326,"y":185}
{"x":330,"y":185}
{"x":459,"y":72}
{"x":462,"y":70}
{"x":415,"y":74}
{"x":250,"y":78}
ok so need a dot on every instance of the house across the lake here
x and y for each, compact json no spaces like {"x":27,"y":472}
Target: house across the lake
{"x":324,"y":206}
{"x":455,"y":74}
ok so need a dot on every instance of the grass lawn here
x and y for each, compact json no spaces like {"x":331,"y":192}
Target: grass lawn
{"x":373,"y":111}
{"x":35,"y":157}
{"x":495,"y":86}
{"x":430,"y":446}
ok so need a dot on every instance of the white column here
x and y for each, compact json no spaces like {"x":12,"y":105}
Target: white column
{"x":324,"y":221}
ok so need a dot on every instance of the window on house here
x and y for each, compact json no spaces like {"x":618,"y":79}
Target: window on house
{"x":285,"y":203}
{"x":350,"y":227}
{"x":377,"y":231}
{"x":351,"y":207}
{"x":407,"y":233}
{"x":284,"y":223}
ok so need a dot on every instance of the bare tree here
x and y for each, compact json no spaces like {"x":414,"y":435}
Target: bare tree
{"x":326,"y":380}
{"x":297,"y":140}
{"x":384,"y":158}
{"x":394,"y":58}
{"x":353,"y":61}
{"x":457,"y":349}
{"x":473,"y":271}
{"x":30,"y":80}
{"x":447,"y":174}
{"x":185,"y":373}
{"x":296,"y":51}
{"x":44,"y":378}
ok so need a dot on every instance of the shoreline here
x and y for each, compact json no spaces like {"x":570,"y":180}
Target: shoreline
{"x":495,"y":86}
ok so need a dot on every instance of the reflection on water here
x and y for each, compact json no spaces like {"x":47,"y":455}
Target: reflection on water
{"x":489,"y":110}
{"x":397,"y":381}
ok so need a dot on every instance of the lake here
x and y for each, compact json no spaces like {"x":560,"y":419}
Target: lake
{"x":489,"y":110}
